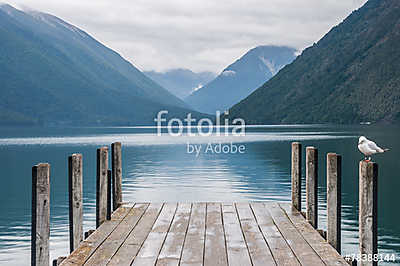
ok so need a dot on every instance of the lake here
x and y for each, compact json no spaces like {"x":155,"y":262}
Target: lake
{"x":163,"y":168}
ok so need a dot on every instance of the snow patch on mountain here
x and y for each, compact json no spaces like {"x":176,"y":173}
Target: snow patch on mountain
{"x":272,"y":67}
{"x":228,"y":73}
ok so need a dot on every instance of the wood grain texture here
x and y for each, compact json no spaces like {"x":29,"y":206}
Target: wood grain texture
{"x":101,"y":185}
{"x":172,"y":248}
{"x":312,"y":186}
{"x":75,"y":191}
{"x":334,"y":199}
{"x":296,"y":175}
{"x":259,"y":251}
{"x":235,"y":244}
{"x":116,"y":164}
{"x":215,"y":248}
{"x":193,"y":248}
{"x":132,"y":244}
{"x":40,"y":254}
{"x":368,"y":210}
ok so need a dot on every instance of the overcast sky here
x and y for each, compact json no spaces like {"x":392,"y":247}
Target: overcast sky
{"x":201,"y":35}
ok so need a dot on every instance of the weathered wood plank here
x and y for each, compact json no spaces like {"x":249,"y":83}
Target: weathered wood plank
{"x":215,"y":249}
{"x":259,"y":251}
{"x":75,"y":201}
{"x":368,"y":210}
{"x":334,"y":199}
{"x":296,"y":175}
{"x":312,"y":186}
{"x":80,"y":255}
{"x":193,"y":248}
{"x":109,"y":195}
{"x":116,"y":164}
{"x":303,"y":251}
{"x":172,"y":249}
{"x":101,"y":185}
{"x":327,"y":253}
{"x":152,"y":245}
{"x":132,"y":244}
{"x":235,"y":245}
{"x":280,"y":249}
{"x":40,"y":254}
{"x":110,"y":246}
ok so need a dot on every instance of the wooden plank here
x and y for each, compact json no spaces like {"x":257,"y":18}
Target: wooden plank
{"x":334,"y":199}
{"x":80,"y":255}
{"x":280,"y":249}
{"x":235,"y":245}
{"x":368,"y":210}
{"x":296,"y":175}
{"x":312,"y":186}
{"x":303,"y":251}
{"x":40,"y":255}
{"x":215,"y":248}
{"x":152,"y":245}
{"x":75,"y":201}
{"x":260,"y":253}
{"x":193,"y":248}
{"x":109,"y":195}
{"x":172,"y":249}
{"x":110,"y":246}
{"x":132,"y":244}
{"x":101,"y":185}
{"x":327,"y":253}
{"x":116,"y":164}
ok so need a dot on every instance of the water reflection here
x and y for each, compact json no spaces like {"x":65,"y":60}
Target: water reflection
{"x":159,"y":169}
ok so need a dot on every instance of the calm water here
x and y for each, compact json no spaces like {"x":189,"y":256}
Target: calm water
{"x":158,"y":168}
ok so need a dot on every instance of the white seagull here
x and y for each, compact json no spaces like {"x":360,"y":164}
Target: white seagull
{"x":368,"y":147}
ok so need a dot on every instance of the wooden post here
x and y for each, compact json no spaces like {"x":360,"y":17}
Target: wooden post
{"x":334,"y":199}
{"x":368,"y":210}
{"x":116,"y":174}
{"x":109,"y":208}
{"x":312,"y":186}
{"x":75,"y":201}
{"x":296,"y":175}
{"x":101,"y":185}
{"x":40,"y":215}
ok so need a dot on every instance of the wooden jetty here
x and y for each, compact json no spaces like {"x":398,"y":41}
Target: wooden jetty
{"x":204,"y":233}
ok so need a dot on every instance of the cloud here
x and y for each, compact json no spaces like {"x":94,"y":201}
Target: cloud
{"x":202,"y":35}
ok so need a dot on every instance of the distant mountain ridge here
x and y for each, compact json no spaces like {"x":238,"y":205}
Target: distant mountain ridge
{"x":181,"y":82}
{"x":241,"y":78}
{"x":351,"y":75}
{"x":54,"y":73}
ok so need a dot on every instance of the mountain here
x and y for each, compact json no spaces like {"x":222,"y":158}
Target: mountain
{"x":54,"y":73}
{"x":181,"y":82}
{"x":351,"y":75}
{"x":241,"y":78}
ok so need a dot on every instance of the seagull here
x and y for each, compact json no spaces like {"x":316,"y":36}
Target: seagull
{"x":368,"y":147}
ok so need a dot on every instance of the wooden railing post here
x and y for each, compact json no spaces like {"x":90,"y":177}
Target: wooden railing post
{"x":334,"y":196}
{"x":296,"y":175}
{"x":40,"y":215}
{"x":368,"y":211}
{"x":75,"y":201}
{"x":116,"y":174}
{"x":312,"y":186}
{"x":109,"y":207}
{"x":101,"y":185}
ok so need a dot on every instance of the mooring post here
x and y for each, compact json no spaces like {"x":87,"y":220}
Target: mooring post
{"x":312,"y":186}
{"x":75,"y":201}
{"x":40,"y":215}
{"x":334,"y":199}
{"x":116,"y":174}
{"x":101,"y":185}
{"x":296,"y":175}
{"x":109,"y":207}
{"x":368,"y":211}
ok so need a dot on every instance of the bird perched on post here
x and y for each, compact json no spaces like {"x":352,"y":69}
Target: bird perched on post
{"x":368,"y":147}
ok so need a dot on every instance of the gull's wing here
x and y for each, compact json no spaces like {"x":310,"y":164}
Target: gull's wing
{"x":372,"y":145}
